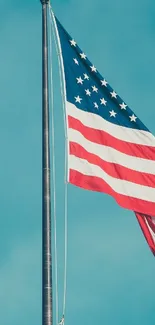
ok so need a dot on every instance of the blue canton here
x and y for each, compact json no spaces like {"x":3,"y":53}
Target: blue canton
{"x":88,"y":90}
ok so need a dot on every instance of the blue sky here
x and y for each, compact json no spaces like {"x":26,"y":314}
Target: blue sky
{"x":110,"y":267}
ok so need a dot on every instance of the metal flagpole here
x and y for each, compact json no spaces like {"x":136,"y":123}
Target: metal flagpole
{"x":46,"y":195}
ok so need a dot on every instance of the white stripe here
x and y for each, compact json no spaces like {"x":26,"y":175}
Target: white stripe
{"x":112,"y":155}
{"x":153,"y":220}
{"x":119,"y":186}
{"x":120,"y":132}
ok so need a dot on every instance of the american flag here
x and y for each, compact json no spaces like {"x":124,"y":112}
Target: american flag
{"x":110,"y":149}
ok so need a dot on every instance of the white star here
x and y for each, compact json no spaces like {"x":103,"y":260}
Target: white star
{"x":83,"y":56}
{"x":133,"y":118}
{"x":112,"y":113}
{"x":104,"y":83}
{"x":73,"y":43}
{"x":103,"y":101}
{"x":95,"y":104}
{"x":79,"y":80}
{"x":86,"y":76}
{"x":88,"y":93}
{"x":113,"y":94}
{"x":76,"y":61}
{"x":123,"y":105}
{"x":95,"y":89}
{"x":93,"y":69}
{"x":78,"y":99}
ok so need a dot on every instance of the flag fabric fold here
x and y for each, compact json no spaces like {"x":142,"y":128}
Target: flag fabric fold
{"x":110,"y":149}
{"x":147,"y":224}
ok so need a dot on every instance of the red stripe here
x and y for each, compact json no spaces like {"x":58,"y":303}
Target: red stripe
{"x":104,"y":138}
{"x":146,"y":232}
{"x":99,"y":185}
{"x":112,"y":169}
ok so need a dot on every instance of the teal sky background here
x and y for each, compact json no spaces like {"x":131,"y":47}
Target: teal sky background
{"x":110,"y":277}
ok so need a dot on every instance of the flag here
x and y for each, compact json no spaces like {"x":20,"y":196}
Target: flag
{"x":110,"y":149}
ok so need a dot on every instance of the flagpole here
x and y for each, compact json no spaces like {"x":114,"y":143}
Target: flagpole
{"x":46,"y":193}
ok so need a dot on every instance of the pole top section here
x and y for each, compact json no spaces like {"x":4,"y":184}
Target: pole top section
{"x":45,"y":1}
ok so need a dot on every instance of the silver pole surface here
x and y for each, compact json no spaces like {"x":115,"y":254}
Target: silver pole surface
{"x":46,"y":193}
